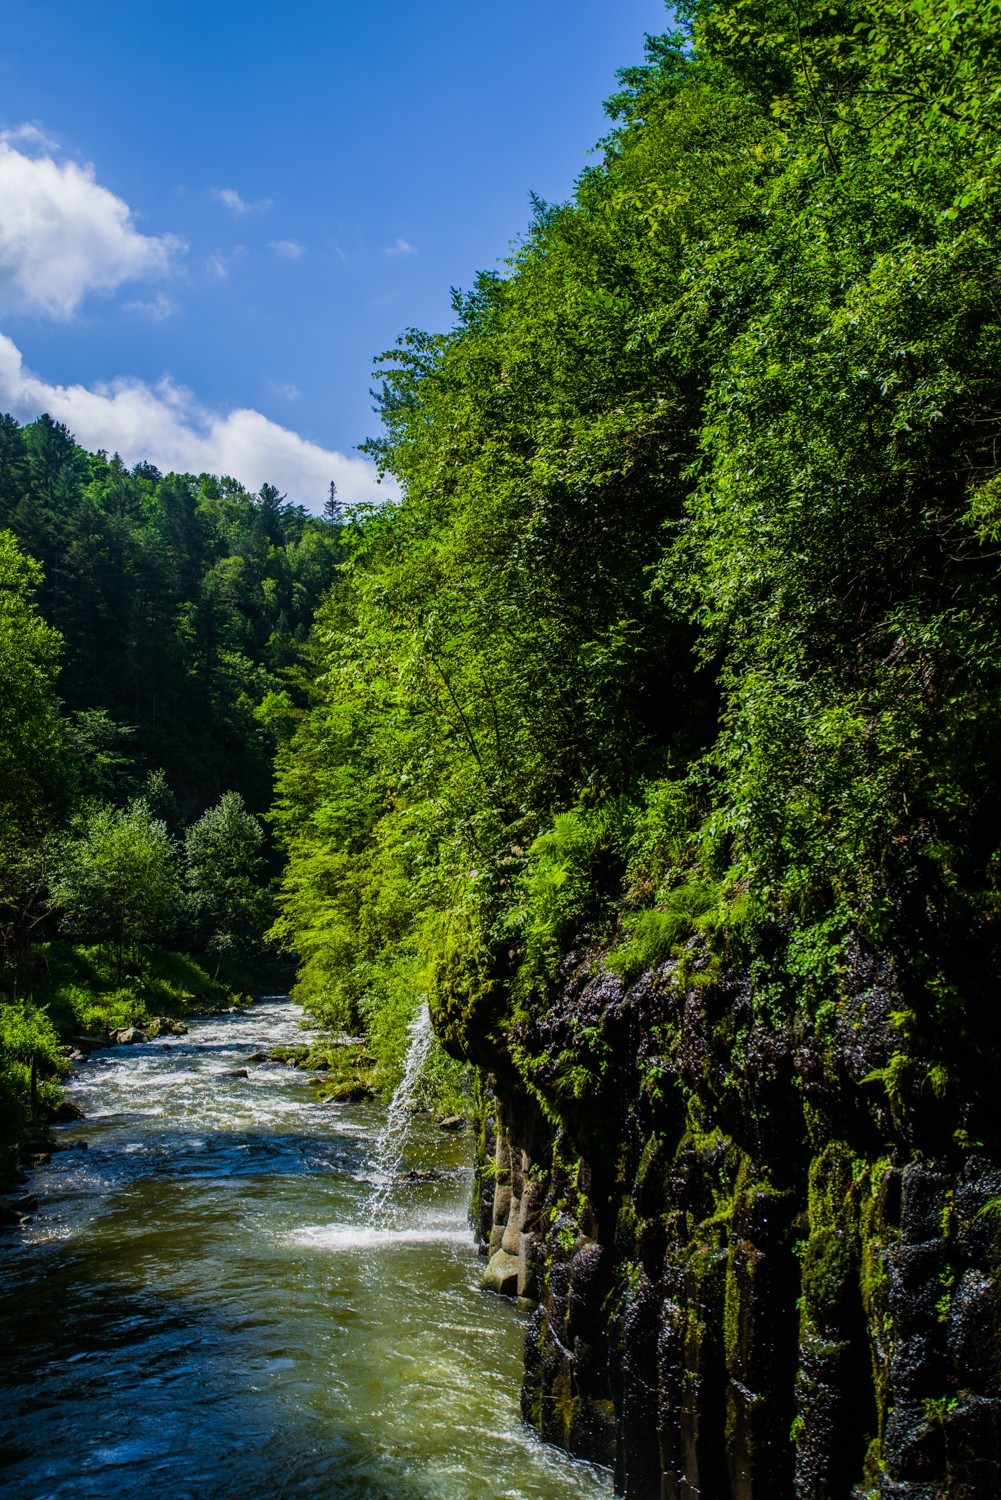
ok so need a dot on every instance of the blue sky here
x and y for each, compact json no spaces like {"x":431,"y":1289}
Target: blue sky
{"x":213,"y":215}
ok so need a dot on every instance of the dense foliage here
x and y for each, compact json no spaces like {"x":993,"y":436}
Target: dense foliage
{"x":688,"y":625}
{"x":181,"y":600}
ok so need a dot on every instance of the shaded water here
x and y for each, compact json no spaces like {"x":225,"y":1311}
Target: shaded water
{"x":205,"y":1308}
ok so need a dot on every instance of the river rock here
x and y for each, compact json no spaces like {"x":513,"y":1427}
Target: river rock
{"x":352,"y":1092}
{"x":258,"y":1057}
{"x":65,"y":1112}
{"x":238,"y":1073}
{"x":452,"y":1122}
{"x":128,"y":1034}
{"x":501,"y":1274}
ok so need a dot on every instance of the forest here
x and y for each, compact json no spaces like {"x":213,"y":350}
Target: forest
{"x":651,"y":739}
{"x":148,"y":625}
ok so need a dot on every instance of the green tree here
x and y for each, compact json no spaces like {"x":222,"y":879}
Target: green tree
{"x":224,"y":877}
{"x":35,"y":786}
{"x":120,"y":884}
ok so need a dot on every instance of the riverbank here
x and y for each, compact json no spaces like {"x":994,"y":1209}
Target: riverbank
{"x":78,"y":1004}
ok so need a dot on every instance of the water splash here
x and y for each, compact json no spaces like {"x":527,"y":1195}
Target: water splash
{"x":392,"y":1139}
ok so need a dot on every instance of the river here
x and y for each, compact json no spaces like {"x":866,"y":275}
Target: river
{"x":203,"y":1307}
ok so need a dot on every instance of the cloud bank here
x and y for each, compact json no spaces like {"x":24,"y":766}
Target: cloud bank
{"x":166,"y":426}
{"x":62,"y":235}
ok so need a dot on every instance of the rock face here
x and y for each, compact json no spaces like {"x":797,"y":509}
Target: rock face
{"x":762,"y":1266}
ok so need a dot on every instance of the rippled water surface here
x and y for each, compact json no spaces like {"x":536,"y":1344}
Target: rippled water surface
{"x":204,"y":1307}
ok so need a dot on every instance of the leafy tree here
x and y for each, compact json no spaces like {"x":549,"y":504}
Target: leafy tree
{"x":120,"y":884}
{"x":34,"y":770}
{"x":227,"y":893}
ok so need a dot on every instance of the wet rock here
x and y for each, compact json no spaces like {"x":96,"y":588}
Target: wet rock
{"x":353,"y":1091}
{"x":501,"y":1274}
{"x":9,"y":1216}
{"x":65,"y":1112}
{"x":26,"y":1204}
{"x":452,"y":1122}
{"x":129,"y":1034}
{"x":257,"y":1057}
{"x":924,"y":1196}
{"x":237,"y":1073}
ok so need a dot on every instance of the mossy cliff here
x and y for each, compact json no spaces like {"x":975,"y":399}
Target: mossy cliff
{"x":762,"y":1262}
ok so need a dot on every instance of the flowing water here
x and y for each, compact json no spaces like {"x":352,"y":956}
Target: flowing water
{"x":205,"y":1307}
{"x":393,"y":1137}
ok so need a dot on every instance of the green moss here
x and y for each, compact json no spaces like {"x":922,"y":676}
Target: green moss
{"x":830,"y":1254}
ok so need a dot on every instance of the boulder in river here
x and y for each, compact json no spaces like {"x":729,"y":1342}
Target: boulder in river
{"x":65,"y":1112}
{"x":238,"y":1073}
{"x":128,"y":1034}
{"x":452,"y":1122}
{"x":352,"y":1091}
{"x":501,"y":1274}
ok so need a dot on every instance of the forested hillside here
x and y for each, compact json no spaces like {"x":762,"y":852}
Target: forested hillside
{"x":180,"y":602}
{"x":654,"y":739}
{"x":148,"y":628}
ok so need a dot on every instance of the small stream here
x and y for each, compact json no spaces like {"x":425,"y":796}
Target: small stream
{"x":205,"y":1306}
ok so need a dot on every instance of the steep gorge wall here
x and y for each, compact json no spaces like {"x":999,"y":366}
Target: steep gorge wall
{"x":763,"y":1260}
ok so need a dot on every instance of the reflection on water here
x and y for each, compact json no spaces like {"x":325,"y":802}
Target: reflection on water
{"x":203,"y":1309}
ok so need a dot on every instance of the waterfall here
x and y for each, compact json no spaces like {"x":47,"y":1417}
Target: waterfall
{"x":389,"y":1150}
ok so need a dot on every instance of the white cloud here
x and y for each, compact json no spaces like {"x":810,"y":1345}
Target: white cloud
{"x":30,"y":135}
{"x":156,"y":309}
{"x":62,"y":235}
{"x":286,"y":391}
{"x":290,"y":249}
{"x":237,"y":205}
{"x":167,"y":426}
{"x":216,"y":266}
{"x":400,"y":247}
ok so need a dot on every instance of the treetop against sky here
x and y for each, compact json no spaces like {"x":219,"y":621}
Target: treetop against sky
{"x":213,"y":217}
